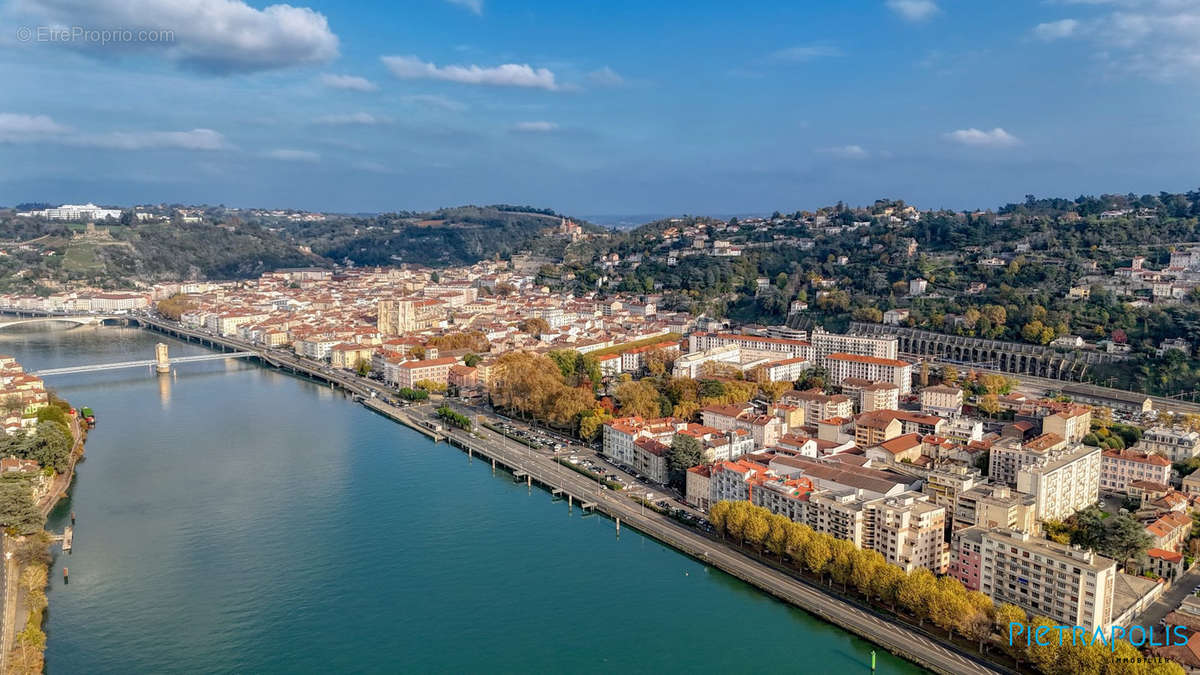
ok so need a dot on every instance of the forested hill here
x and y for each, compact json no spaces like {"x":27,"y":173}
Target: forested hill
{"x":450,"y":236}
{"x":56,"y":254}
{"x":213,"y":242}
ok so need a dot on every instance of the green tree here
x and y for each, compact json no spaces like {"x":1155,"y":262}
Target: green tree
{"x":18,"y":513}
{"x":684,"y":454}
{"x":1125,"y":539}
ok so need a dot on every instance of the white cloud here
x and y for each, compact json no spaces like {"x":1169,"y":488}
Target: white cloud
{"x":15,"y":127}
{"x":18,"y":128}
{"x":353,"y":118}
{"x":535,"y":127}
{"x":605,"y":77}
{"x":350,"y":82}
{"x":1153,"y":38}
{"x":507,"y":75}
{"x":1055,"y":30}
{"x":996,"y":138}
{"x":435,"y":101}
{"x":290,"y":155}
{"x":805,"y":53}
{"x":373,"y":167}
{"x":196,"y":139}
{"x":847,"y":152}
{"x":473,"y":6}
{"x":914,"y":10}
{"x":220,"y":36}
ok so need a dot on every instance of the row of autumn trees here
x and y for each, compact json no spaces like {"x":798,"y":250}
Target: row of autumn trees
{"x":944,"y":601}
{"x":560,"y":389}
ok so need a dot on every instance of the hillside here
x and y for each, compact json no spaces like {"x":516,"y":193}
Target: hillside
{"x":450,"y":236}
{"x":116,"y":256}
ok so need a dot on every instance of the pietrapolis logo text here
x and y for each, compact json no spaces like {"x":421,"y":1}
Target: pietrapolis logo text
{"x":1138,"y":636}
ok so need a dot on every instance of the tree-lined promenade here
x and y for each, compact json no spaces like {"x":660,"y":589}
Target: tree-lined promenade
{"x":921,"y":597}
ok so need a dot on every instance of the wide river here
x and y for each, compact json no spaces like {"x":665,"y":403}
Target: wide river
{"x":231,"y":518}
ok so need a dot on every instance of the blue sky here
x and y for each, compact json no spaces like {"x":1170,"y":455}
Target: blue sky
{"x":597,"y":107}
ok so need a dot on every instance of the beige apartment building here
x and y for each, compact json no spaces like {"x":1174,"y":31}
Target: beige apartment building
{"x":1119,"y":468}
{"x":906,"y":529}
{"x":941,"y":400}
{"x":995,"y":506}
{"x":409,"y":373}
{"x":1071,"y":425}
{"x":1070,"y":586}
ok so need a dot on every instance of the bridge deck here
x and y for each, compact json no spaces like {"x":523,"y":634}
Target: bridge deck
{"x":97,"y":367}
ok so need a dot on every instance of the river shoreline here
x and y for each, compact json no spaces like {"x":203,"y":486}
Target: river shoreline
{"x":829,"y":608}
{"x":879,"y":634}
{"x":16,"y":603}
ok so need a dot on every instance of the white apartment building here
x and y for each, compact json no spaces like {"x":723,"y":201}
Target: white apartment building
{"x":788,"y":498}
{"x":906,"y":529}
{"x":942,"y":400}
{"x":691,"y":364}
{"x":1008,"y":456}
{"x":824,"y":344}
{"x":753,"y":345}
{"x":1176,"y":444}
{"x":871,"y":396}
{"x":818,"y":406}
{"x":1119,"y":468}
{"x":1070,"y":586}
{"x":620,"y":434}
{"x":229,"y":322}
{"x":786,"y":370}
{"x":944,"y":485}
{"x":118,"y":302}
{"x":1067,"y":482}
{"x":75,"y":212}
{"x":733,"y":481}
{"x":842,"y":366}
{"x":317,"y":348}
